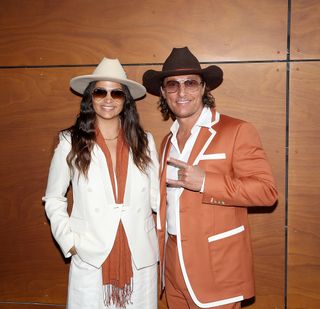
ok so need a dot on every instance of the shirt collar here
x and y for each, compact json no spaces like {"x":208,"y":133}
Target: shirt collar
{"x":204,"y":120}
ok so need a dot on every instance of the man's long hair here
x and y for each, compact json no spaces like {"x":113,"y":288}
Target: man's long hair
{"x":83,"y":133}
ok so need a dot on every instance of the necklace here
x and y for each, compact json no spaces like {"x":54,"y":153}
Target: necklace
{"x":111,"y":139}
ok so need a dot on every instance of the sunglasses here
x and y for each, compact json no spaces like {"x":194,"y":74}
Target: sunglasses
{"x":190,"y":85}
{"x":98,"y":94}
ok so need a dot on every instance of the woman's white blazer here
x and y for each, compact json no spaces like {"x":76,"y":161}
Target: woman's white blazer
{"x":95,"y":216}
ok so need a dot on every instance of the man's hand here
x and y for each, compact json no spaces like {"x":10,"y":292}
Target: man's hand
{"x":189,"y":176}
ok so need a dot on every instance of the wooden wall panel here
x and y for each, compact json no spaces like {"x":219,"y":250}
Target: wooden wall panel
{"x":37,"y":104}
{"x":78,"y":32}
{"x":45,"y":43}
{"x":305,"y":29}
{"x":304,"y":188}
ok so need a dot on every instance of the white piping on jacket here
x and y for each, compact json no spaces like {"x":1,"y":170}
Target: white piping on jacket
{"x":213,"y":156}
{"x":226,"y":234}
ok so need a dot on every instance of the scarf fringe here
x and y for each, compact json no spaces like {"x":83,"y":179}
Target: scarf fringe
{"x":120,"y":297}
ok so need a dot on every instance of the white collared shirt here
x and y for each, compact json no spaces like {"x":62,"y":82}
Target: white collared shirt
{"x":173,"y":194}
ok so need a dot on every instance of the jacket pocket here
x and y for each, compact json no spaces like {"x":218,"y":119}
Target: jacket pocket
{"x":149,"y":223}
{"x":226,"y":255}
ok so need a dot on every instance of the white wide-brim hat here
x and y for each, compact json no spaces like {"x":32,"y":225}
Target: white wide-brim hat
{"x":108,"y":70}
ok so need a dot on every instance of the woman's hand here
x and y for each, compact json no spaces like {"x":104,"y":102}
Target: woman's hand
{"x":73,"y":250}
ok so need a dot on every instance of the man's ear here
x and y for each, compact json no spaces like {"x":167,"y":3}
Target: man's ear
{"x":162,"y":92}
{"x":203,"y":88}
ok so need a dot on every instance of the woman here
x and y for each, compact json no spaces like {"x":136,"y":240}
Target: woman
{"x":112,"y":165}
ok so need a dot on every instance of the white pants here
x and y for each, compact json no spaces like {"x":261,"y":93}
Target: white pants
{"x":85,"y":289}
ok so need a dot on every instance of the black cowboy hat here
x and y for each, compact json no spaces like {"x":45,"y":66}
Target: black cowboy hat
{"x":181,"y":62}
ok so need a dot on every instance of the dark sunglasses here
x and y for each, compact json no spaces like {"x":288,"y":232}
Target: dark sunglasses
{"x":98,"y":94}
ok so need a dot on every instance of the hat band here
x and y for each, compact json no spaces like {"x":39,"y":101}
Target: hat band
{"x":185,"y":69}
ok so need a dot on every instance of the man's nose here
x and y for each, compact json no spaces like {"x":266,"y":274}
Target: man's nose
{"x":181,"y":89}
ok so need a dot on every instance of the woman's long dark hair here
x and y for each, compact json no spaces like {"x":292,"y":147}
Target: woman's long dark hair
{"x":83,"y":133}
{"x":207,"y":100}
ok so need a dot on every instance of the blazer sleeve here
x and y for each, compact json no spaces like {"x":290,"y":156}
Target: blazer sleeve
{"x":154,"y":174}
{"x":55,"y":196}
{"x":251,"y":182}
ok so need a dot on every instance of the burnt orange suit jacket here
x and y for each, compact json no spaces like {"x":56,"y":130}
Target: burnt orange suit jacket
{"x":213,"y":237}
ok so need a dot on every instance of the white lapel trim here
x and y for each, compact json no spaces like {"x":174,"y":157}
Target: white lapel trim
{"x":206,"y":145}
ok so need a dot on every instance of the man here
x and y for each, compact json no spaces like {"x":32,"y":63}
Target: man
{"x":213,"y":168}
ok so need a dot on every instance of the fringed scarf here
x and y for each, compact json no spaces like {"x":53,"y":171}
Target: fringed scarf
{"x":117,"y":268}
